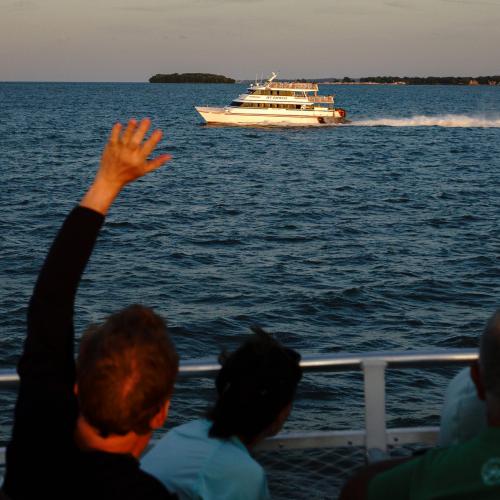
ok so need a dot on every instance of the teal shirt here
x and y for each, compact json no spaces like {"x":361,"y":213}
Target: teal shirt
{"x":196,"y":466}
{"x":468,"y":471}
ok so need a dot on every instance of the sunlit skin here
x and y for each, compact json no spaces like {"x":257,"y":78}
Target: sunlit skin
{"x":125,"y":159}
{"x":87,"y":438}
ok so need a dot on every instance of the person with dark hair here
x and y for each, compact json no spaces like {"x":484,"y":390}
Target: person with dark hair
{"x":79,"y":429}
{"x":469,"y":470}
{"x":209,"y":458}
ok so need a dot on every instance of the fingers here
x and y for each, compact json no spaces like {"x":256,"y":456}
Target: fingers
{"x":115,"y":133}
{"x":157,"y":162}
{"x":140,"y":132}
{"x":133,"y":136}
{"x":129,"y":131}
{"x":152,"y":142}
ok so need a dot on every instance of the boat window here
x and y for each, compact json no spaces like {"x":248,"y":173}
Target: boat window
{"x":236,"y":103}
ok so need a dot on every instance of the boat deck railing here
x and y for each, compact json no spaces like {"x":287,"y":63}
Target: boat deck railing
{"x":297,"y":461}
{"x":320,"y":98}
{"x":293,"y":85}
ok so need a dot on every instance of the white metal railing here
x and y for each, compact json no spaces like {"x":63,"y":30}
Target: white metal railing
{"x":293,"y":85}
{"x":375,"y":437}
{"x":320,"y":98}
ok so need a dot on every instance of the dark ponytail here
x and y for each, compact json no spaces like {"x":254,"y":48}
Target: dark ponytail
{"x":254,"y":384}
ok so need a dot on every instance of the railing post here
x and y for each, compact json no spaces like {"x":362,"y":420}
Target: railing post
{"x":374,"y":382}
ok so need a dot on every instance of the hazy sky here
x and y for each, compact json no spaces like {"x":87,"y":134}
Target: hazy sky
{"x":129,"y":40}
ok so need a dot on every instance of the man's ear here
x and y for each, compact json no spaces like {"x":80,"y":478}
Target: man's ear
{"x":475,"y":375}
{"x":75,"y":389}
{"x":159,"y":419}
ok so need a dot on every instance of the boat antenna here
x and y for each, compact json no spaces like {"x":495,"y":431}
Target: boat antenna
{"x":273,"y":76}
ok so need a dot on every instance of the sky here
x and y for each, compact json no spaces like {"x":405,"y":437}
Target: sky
{"x":130,"y":40}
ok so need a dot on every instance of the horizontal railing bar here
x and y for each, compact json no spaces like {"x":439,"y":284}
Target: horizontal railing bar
{"x":410,"y":435}
{"x":315,"y":439}
{"x":346,"y":362}
{"x":326,"y":362}
{"x":8,"y":376}
{"x":393,"y":359}
{"x":194,"y":367}
{"x":335,"y":439}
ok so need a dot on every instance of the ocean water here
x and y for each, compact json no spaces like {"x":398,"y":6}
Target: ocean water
{"x":377,"y":235}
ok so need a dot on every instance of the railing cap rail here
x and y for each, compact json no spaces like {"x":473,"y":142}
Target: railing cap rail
{"x":327,"y":362}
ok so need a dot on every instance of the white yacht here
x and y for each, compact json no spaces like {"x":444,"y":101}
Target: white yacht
{"x":277,"y":103}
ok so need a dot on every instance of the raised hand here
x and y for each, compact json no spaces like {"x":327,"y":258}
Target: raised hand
{"x":125,"y":158}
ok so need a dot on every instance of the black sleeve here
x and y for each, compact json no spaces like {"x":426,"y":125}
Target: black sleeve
{"x":48,"y":349}
{"x":46,"y":408}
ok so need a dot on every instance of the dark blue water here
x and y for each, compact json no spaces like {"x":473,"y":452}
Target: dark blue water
{"x":381,"y":234}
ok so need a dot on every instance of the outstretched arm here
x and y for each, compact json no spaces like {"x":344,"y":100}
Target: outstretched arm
{"x":50,"y":316}
{"x":125,"y":159}
{"x":46,"y":408}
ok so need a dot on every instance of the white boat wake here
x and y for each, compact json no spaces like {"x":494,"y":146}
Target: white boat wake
{"x":462,"y":121}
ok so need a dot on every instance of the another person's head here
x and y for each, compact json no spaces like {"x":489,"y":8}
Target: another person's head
{"x":487,"y":375}
{"x":255,"y":389}
{"x":126,"y":371}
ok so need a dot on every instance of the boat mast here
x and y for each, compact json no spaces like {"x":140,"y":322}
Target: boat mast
{"x":271,"y":78}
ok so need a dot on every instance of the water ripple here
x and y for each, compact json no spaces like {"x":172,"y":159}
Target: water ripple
{"x":379,"y":235}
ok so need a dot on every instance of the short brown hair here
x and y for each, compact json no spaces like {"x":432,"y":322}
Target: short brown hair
{"x":126,"y":371}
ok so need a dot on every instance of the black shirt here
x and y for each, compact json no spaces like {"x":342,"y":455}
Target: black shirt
{"x":42,"y":458}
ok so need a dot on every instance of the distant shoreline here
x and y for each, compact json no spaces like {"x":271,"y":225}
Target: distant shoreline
{"x":190,"y":78}
{"x":396,"y":80}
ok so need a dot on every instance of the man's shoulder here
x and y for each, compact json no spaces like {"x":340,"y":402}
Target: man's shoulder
{"x":150,"y":488}
{"x":447,"y":471}
{"x":109,"y":475}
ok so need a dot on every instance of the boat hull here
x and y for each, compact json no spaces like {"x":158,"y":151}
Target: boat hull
{"x":239,"y":116}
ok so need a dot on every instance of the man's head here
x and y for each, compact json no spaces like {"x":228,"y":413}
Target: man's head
{"x":255,"y":387}
{"x":125,"y":372}
{"x":489,"y":357}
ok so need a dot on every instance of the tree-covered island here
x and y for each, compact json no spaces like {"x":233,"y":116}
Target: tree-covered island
{"x":190,"y":78}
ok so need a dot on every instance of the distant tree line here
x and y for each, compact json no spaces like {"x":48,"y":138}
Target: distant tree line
{"x":415,"y":80}
{"x":190,"y":78}
{"x":433,"y":80}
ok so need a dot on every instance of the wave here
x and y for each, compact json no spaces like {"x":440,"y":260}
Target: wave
{"x":462,"y":121}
